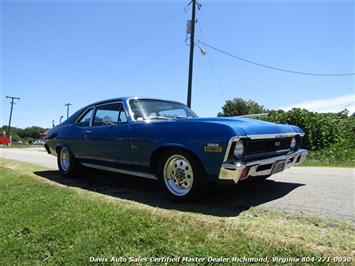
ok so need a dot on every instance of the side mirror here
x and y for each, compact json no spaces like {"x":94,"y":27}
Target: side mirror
{"x":108,"y":121}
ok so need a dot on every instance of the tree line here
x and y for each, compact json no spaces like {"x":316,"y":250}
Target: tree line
{"x":323,"y":130}
{"x":28,"y":134}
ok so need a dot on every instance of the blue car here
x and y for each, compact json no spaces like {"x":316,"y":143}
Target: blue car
{"x":165,"y":140}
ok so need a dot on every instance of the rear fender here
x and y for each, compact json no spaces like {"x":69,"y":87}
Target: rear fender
{"x":63,"y":145}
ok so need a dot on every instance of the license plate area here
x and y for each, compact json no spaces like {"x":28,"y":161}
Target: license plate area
{"x":279,"y":167}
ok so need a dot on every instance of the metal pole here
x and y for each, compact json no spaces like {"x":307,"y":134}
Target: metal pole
{"x":189,"y":87}
{"x":67,"y":105}
{"x":12,"y":106}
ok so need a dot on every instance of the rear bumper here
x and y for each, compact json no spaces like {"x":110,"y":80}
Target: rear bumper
{"x":265,"y":167}
{"x":47,"y":148}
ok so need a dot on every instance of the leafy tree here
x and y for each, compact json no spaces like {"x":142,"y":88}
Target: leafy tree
{"x":324,"y":131}
{"x":32,"y":132}
{"x":239,"y":106}
{"x":15,"y":136}
{"x":28,"y":133}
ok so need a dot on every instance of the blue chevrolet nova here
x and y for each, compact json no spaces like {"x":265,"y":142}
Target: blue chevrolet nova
{"x":165,"y":140}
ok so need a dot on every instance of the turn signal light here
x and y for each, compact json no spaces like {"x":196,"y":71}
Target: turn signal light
{"x":244,"y":173}
{"x":298,"y":158}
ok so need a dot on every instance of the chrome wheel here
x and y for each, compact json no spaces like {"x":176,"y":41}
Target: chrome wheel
{"x":67,"y":164}
{"x":178,"y":175}
{"x":64,"y":160}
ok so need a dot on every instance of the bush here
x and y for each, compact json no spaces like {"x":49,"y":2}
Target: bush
{"x":330,"y":137}
{"x":322,"y":129}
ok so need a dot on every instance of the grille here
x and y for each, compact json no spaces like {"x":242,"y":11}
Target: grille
{"x":268,"y":145}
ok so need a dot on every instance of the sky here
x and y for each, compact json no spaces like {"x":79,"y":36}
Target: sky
{"x":280,"y":54}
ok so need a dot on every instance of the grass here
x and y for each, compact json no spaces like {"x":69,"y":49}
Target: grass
{"x":335,"y":155}
{"x":317,"y":163}
{"x":46,"y":223}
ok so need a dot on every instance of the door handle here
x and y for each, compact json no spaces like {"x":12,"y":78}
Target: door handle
{"x":87,"y":132}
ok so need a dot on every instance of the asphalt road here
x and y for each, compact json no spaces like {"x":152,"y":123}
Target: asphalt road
{"x":313,"y":191}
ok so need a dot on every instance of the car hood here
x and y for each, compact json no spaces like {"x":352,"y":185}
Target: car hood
{"x":253,"y":126}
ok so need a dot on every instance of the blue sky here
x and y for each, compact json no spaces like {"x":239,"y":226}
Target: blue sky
{"x":79,"y":52}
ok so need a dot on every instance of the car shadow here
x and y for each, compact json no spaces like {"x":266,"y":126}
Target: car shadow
{"x":219,"y":200}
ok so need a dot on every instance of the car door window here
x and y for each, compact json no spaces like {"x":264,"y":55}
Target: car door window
{"x":109,"y":114}
{"x":84,"y":121}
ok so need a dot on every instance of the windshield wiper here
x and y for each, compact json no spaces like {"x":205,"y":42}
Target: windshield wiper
{"x":181,"y":117}
{"x":159,"y":118}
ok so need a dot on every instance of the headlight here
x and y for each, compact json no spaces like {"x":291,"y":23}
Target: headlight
{"x":239,"y":150}
{"x":293,"y":144}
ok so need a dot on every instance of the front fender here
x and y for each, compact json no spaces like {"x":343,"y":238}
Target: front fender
{"x":207,"y":141}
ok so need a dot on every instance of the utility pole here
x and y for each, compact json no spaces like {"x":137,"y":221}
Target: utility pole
{"x":12,"y":106}
{"x":67,"y":105}
{"x":193,"y":19}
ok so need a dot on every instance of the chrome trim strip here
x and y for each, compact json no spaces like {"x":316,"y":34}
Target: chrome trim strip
{"x":231,"y":171}
{"x":233,"y":139}
{"x":256,"y":137}
{"x":275,"y":136}
{"x":283,"y":151}
{"x":121,"y":171}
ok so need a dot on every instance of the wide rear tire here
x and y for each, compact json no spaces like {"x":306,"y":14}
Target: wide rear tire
{"x":181,"y":176}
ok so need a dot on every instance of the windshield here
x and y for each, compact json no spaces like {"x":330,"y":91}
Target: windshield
{"x":156,"y":109}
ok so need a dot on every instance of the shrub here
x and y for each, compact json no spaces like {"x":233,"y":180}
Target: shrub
{"x":322,"y":129}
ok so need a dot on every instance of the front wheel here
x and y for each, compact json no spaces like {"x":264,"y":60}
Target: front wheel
{"x":67,"y":164}
{"x":181,"y":176}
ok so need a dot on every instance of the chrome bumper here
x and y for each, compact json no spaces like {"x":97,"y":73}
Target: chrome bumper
{"x":266,"y":167}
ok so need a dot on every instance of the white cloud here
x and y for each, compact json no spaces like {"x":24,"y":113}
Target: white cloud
{"x":331,"y":105}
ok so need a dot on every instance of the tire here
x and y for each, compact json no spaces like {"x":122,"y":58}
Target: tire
{"x":181,"y":176}
{"x":67,"y":164}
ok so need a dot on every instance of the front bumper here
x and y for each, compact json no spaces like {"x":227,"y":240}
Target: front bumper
{"x":265,"y":167}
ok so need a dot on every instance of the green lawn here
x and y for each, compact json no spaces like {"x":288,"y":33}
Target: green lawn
{"x":43,"y":222}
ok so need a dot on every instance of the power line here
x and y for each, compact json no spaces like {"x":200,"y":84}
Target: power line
{"x":114,"y":79}
{"x":210,"y":62}
{"x":111,"y":57}
{"x":346,"y":106}
{"x":275,"y":68}
{"x":128,"y":72}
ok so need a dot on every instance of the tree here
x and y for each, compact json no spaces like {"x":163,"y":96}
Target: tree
{"x":239,"y":106}
{"x":28,"y":133}
{"x":15,"y":136}
{"x":32,"y":132}
{"x":323,"y":130}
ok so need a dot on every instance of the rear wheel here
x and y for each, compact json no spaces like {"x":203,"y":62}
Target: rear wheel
{"x":67,"y":164}
{"x":181,"y":176}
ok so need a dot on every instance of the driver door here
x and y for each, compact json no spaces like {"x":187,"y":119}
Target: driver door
{"x":105,"y":141}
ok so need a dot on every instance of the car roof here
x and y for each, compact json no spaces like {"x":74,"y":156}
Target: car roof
{"x":77,"y":113}
{"x":127,"y":98}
